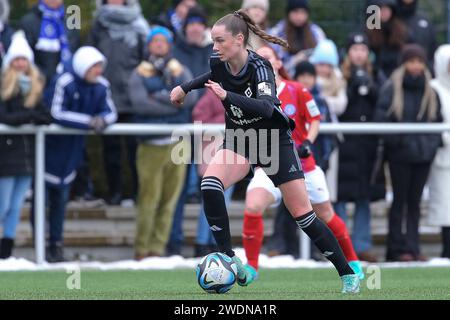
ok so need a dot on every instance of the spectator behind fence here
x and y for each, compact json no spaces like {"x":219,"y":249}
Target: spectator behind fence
{"x":357,"y":168}
{"x":119,"y":32}
{"x":333,"y":88}
{"x":21,"y":103}
{"x":161,"y":177}
{"x":47,"y":33}
{"x":82,"y":100}
{"x":420,"y":29}
{"x":439,"y":182}
{"x":209,"y":109}
{"x":258,"y":11}
{"x":301,"y":34}
{"x":6,"y":31}
{"x":408,"y":97}
{"x":388,"y":41}
{"x":193,"y":51}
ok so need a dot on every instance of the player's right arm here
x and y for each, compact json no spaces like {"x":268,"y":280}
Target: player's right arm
{"x":179,"y":93}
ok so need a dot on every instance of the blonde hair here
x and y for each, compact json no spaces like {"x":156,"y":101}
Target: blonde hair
{"x":10,"y":85}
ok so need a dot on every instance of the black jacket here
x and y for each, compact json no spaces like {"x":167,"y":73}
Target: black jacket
{"x":408,"y":148}
{"x":420,"y":29}
{"x":122,"y":60}
{"x":357,"y":153}
{"x":46,"y":61}
{"x":5,"y":40}
{"x":17,"y":151}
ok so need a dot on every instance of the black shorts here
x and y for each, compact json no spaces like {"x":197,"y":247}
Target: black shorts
{"x":275,"y":154}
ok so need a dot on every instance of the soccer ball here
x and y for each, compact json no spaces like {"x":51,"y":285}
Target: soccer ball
{"x":216,"y":273}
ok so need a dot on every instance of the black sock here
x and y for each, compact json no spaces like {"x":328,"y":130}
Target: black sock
{"x":216,"y":213}
{"x":324,"y":239}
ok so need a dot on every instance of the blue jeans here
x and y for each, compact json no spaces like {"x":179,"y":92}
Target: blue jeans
{"x":12,"y":195}
{"x":56,"y":201}
{"x":361,"y":233}
{"x":204,"y":234}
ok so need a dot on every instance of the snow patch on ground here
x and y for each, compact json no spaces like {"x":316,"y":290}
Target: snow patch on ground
{"x":175,"y":262}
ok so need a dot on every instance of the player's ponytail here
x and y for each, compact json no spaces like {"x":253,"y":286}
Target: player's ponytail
{"x":240,"y":22}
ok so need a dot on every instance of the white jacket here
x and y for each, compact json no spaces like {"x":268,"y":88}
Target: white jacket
{"x":439,"y":179}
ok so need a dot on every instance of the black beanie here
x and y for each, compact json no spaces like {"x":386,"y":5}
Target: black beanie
{"x":297,"y":4}
{"x":175,"y":3}
{"x":304,"y":67}
{"x":195,"y":14}
{"x":413,"y":51}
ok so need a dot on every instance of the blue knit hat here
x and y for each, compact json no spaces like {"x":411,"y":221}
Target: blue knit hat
{"x":160,"y":30}
{"x":325,"y":52}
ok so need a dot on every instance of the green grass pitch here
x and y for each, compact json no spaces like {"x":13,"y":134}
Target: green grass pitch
{"x":273,"y":284}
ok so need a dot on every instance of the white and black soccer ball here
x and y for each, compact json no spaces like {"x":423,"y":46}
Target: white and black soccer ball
{"x":216,"y":273}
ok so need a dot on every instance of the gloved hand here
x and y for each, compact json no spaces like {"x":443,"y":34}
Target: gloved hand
{"x":305,"y":149}
{"x":98,"y":124}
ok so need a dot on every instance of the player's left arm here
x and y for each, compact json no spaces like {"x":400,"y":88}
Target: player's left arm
{"x":313,"y":130}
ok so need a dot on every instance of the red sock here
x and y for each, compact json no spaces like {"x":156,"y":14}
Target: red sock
{"x":252,"y":237}
{"x":339,"y":229}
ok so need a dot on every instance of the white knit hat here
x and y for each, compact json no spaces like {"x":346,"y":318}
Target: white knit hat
{"x":19,"y":48}
{"x":264,"y":4}
{"x":84,"y":58}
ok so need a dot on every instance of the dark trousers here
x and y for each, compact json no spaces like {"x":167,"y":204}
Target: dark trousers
{"x":112,"y":159}
{"x":408,"y":181}
{"x":56,"y":201}
{"x":284,"y":238}
{"x":83,"y":184}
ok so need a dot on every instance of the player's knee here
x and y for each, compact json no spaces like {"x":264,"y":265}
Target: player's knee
{"x":254,"y":207}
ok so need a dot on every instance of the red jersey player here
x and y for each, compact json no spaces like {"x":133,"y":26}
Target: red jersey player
{"x":299,"y":105}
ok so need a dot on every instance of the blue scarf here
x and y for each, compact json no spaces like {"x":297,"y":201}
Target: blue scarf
{"x":52,"y":37}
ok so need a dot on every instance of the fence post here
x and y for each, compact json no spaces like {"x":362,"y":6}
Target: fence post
{"x":305,"y":246}
{"x":39,"y":196}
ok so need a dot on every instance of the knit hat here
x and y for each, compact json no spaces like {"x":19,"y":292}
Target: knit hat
{"x":263,"y":4}
{"x":84,"y":58}
{"x":160,"y":30}
{"x":304,"y":67}
{"x":297,"y":4}
{"x":325,"y":52}
{"x":19,"y":48}
{"x":411,"y":51}
{"x":195,"y":14}
{"x":357,"y":38}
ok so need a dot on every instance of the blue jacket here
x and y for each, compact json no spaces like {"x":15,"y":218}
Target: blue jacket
{"x":73,"y":104}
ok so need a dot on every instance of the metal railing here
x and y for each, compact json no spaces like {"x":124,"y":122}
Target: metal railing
{"x":148,"y":129}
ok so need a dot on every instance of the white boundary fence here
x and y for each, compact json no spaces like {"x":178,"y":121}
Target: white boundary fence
{"x":138,"y":129}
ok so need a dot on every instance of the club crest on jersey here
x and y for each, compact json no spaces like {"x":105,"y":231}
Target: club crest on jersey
{"x":290,"y":109}
{"x":237,"y":112}
{"x":248,"y":92}
{"x":265,"y":88}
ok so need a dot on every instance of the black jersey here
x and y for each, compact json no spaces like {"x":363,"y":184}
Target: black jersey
{"x":251,"y":100}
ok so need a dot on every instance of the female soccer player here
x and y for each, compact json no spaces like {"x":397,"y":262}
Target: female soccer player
{"x":299,"y":105}
{"x":245,"y":83}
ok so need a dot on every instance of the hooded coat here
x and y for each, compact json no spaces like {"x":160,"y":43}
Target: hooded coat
{"x":439,"y":180}
{"x":74,"y":102}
